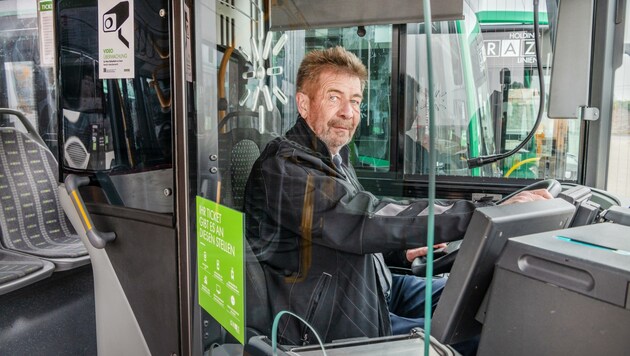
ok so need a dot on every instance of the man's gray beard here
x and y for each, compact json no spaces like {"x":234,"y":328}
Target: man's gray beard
{"x":328,"y":144}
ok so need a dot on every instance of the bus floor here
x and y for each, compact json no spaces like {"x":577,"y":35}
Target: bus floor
{"x":54,"y":316}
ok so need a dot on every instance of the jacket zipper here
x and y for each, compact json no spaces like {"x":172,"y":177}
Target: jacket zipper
{"x":322,"y":287}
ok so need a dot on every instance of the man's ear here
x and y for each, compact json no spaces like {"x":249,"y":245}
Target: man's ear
{"x":302,"y":104}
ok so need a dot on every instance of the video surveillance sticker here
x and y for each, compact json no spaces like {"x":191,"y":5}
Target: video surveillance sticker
{"x":116,"y":39}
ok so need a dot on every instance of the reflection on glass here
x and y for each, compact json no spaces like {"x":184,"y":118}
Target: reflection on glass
{"x":117,"y":128}
{"x":486,"y":97}
{"x":457,"y":112}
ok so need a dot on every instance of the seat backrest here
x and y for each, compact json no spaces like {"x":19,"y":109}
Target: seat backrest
{"x":244,"y":153}
{"x":239,"y":147}
{"x":31,"y":218}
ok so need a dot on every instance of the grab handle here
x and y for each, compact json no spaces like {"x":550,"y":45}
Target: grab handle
{"x":98,"y":239}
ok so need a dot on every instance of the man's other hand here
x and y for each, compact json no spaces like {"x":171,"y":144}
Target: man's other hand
{"x":529,"y":195}
{"x":421,"y":251}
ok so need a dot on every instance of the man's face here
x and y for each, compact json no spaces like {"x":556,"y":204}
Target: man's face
{"x":331,"y":108}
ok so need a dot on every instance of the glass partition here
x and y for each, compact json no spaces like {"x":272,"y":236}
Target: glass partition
{"x":247,"y":97}
{"x":292,"y":204}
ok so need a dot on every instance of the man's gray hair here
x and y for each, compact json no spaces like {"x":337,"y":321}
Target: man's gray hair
{"x":337,"y":59}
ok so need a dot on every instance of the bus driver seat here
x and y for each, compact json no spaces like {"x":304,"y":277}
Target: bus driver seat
{"x":240,"y":144}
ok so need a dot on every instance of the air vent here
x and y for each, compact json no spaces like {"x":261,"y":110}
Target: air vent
{"x":75,"y":153}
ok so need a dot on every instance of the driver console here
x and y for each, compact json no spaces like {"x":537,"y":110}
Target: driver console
{"x":490,"y":228}
{"x":561,"y":293}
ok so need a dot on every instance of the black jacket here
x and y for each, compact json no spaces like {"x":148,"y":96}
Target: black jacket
{"x":313,"y":229}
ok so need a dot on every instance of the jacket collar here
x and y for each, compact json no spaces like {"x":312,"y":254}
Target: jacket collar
{"x":304,"y":135}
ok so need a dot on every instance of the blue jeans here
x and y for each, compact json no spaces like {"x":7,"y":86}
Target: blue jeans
{"x":406,"y":301}
{"x":406,"y":307}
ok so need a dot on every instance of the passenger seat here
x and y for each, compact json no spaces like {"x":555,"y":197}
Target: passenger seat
{"x":31,"y":218}
{"x":17,"y":271}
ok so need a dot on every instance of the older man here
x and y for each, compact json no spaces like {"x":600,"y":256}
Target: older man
{"x":318,"y":235}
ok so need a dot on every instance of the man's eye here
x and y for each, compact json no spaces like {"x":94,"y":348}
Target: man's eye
{"x":355,"y":102}
{"x":333,"y":98}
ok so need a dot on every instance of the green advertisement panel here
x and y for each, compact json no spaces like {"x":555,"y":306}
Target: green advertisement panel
{"x":220,"y":265}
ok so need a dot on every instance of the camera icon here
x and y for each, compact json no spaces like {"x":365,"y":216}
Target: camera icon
{"x":116,"y":17}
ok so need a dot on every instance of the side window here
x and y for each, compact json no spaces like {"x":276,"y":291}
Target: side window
{"x":619,"y":159}
{"x":373,"y":45}
{"x":27,"y":73}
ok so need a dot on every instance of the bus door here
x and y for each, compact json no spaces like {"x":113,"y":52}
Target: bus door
{"x":116,"y":129}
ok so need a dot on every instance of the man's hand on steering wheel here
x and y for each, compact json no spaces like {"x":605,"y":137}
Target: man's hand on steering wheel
{"x":541,"y":190}
{"x":529,"y":195}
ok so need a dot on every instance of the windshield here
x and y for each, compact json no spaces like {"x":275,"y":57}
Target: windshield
{"x":486,"y":95}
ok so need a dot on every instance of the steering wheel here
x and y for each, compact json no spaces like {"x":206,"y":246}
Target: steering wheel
{"x":445,"y":257}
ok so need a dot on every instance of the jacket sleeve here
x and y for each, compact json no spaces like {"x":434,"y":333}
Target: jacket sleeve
{"x":397,"y":258}
{"x":318,"y":204}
